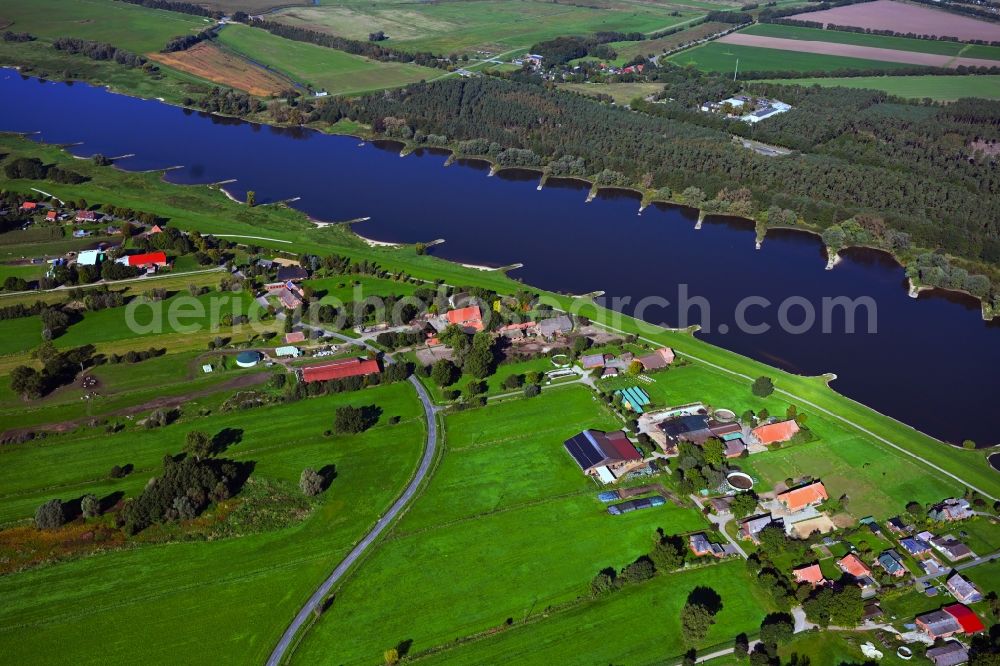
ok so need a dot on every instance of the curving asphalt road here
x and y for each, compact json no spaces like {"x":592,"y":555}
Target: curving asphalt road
{"x":316,"y":600}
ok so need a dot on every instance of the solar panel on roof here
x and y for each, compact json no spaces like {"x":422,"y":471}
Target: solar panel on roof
{"x":584,"y":450}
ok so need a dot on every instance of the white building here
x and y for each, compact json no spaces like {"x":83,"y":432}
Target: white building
{"x":288,"y":350}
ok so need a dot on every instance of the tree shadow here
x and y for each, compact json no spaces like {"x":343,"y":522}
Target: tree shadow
{"x":109,"y":502}
{"x":403,"y":648}
{"x":707,"y":598}
{"x":225,"y":438}
{"x":329,"y":473}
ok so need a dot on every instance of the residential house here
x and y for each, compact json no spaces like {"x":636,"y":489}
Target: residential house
{"x":772,"y":433}
{"x":951,"y":653}
{"x":29,"y":206}
{"x":963,"y":590}
{"x":554,"y":326}
{"x":657,"y":360}
{"x":752,"y":527}
{"x":51,"y":216}
{"x":951,"y":548}
{"x":350,"y":367}
{"x":290,"y":295}
{"x":691,"y":427}
{"x":701,"y":546}
{"x":892,"y":563}
{"x":951,"y":509}
{"x":810,"y":574}
{"x":916,"y":547}
{"x":798,"y":499}
{"x":609,"y":372}
{"x":469,"y":319}
{"x":292,"y":273}
{"x":897,"y":526}
{"x":720,"y":505}
{"x":295,"y":336}
{"x":605,"y":455}
{"x":852,"y":565}
{"x":86,"y":216}
{"x":932,"y":567}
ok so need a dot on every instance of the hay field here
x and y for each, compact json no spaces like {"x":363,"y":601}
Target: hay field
{"x":210,"y":62}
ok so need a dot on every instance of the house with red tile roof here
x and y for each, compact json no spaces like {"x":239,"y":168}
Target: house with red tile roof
{"x":469,"y":318}
{"x":810,"y":574}
{"x":146,"y":260}
{"x":86,"y":216}
{"x":797,"y":499}
{"x":851,"y":564}
{"x":29,"y":205}
{"x":52,"y":216}
{"x":348,"y":367}
{"x":294,"y":336}
{"x":771,"y":433}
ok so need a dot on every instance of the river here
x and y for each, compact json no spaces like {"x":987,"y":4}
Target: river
{"x":933,"y":363}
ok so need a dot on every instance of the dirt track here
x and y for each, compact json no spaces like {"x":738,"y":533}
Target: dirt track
{"x":215,"y":64}
{"x":852,"y":51}
{"x":900,"y":17}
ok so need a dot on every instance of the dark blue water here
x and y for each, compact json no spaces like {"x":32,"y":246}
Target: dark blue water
{"x":932,"y":363}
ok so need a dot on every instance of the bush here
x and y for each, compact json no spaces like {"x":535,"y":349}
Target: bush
{"x":311,"y":482}
{"x":90,"y":506}
{"x":350,"y":420}
{"x":50,"y":515}
{"x":763,"y":387}
{"x":531,"y":390}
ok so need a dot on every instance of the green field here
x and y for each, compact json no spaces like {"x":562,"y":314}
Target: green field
{"x":319,"y":67}
{"x":719,"y":57}
{"x":231,"y":596}
{"x":941,"y":88}
{"x":356,"y":288}
{"x":497,"y":26}
{"x":622,"y":93}
{"x":939,"y":47}
{"x":507,"y":527}
{"x":133,"y":28}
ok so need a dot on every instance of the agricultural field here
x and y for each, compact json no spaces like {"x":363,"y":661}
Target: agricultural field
{"x":319,"y":67}
{"x":196,"y":591}
{"x":937,"y":47}
{"x":208,"y":61}
{"x":131,"y":27}
{"x":356,"y":288}
{"x":506,"y":498}
{"x":621,"y":93}
{"x":651,"y":47}
{"x":853,"y":51}
{"x":497,"y":26}
{"x":939,"y":88}
{"x":906,"y":18}
{"x":717,"y":56}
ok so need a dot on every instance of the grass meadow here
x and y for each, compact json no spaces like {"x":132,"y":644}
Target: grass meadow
{"x":335,"y":71}
{"x":131,"y":27}
{"x":489,"y":25}
{"x":507,"y":527}
{"x":232,"y":596}
{"x":719,"y":57}
{"x":940,"y":88}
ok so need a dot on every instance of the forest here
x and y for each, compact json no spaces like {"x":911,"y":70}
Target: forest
{"x":910,"y":164}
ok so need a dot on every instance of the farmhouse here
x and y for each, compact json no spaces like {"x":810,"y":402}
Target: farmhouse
{"x":805,"y":496}
{"x":771,"y":433}
{"x":470,"y":319}
{"x":350,"y":367}
{"x":86,"y":216}
{"x":695,"y":428}
{"x":51,"y":216}
{"x":147,"y":260}
{"x":701,"y":546}
{"x":591,"y":361}
{"x":766,"y":109}
{"x":290,"y":295}
{"x":963,"y":590}
{"x":29,"y":205}
{"x":948,"y":621}
{"x":550,"y":328}
{"x":657,"y":360}
{"x":602,"y":454}
{"x":951,"y":509}
{"x":951,"y":653}
{"x":750,"y":528}
{"x":892,"y":563}
{"x":810,"y":574}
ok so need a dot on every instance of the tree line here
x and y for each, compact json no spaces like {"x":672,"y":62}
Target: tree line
{"x":98,"y":51}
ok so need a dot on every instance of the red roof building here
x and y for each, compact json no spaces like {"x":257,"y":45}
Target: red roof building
{"x":348,"y":367}
{"x":797,"y":499}
{"x":811,"y":574}
{"x":145,"y":260}
{"x":853,"y":565}
{"x":52,"y":216}
{"x":970,"y":622}
{"x":467,"y":318}
{"x":781,"y":431}
{"x":86,"y":216}
{"x":294,"y":336}
{"x":29,"y":205}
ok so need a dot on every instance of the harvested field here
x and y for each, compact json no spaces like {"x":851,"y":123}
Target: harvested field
{"x":651,"y":47}
{"x":210,"y":62}
{"x":854,"y":51}
{"x":904,"y":18}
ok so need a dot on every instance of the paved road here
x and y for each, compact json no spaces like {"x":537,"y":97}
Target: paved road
{"x":961,"y":567}
{"x":316,"y":600}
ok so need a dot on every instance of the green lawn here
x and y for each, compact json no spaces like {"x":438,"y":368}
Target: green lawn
{"x":356,"y":288}
{"x":941,"y":88}
{"x":469,"y":25}
{"x":647,"y":613}
{"x":622,"y":93}
{"x":506,"y":498}
{"x":131,"y":27}
{"x":234,"y":595}
{"x":20,"y":335}
{"x":938,"y":47}
{"x":720,"y":57}
{"x":322,"y":68}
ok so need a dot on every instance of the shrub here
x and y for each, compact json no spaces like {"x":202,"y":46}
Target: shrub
{"x":763,"y":387}
{"x":90,"y":506}
{"x":310,"y":482}
{"x":50,"y":515}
